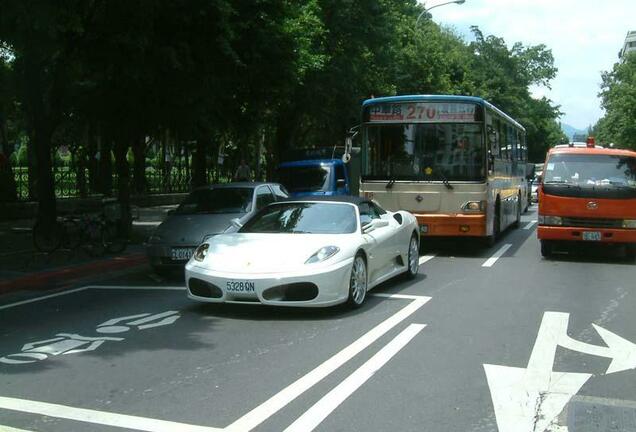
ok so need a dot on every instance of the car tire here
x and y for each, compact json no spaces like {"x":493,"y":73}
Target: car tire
{"x":413,"y":263}
{"x":547,"y":248}
{"x":358,"y":281}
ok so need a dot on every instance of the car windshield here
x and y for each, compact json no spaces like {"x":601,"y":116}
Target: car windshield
{"x":217,"y":201}
{"x":591,"y":170}
{"x":436,"y":151}
{"x":304,"y":178}
{"x":304,"y":218}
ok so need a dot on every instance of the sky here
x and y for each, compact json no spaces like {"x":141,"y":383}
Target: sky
{"x":585,"y":37}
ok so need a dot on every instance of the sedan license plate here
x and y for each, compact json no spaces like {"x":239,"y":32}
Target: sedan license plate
{"x":591,"y":236}
{"x":241,"y":287}
{"x":181,"y":254}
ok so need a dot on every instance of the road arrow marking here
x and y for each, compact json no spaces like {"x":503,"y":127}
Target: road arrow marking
{"x":530,"y":399}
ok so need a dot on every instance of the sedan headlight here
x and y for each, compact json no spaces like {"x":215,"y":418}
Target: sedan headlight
{"x":550,"y":220}
{"x":201,"y":252}
{"x":323,"y":254}
{"x":629,"y":223}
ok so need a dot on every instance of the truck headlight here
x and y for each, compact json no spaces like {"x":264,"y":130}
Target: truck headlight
{"x":323,"y":254}
{"x":201,"y":252}
{"x":629,"y":223}
{"x":550,"y":220}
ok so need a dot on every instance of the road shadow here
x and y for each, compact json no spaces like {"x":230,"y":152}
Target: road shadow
{"x":591,"y":253}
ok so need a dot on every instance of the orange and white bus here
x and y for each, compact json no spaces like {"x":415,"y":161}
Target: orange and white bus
{"x":587,"y":194}
{"x":456,"y":162}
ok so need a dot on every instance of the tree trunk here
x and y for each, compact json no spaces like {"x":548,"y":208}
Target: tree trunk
{"x":8,"y":187}
{"x":33,"y":168}
{"x":139,"y":165}
{"x":123,"y":175}
{"x":105,"y":166}
{"x":199,"y":175}
{"x":47,"y":210}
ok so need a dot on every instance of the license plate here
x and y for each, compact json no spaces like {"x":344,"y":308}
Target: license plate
{"x":423,"y":229}
{"x":244,"y":287}
{"x":591,"y":236}
{"x":181,"y":254}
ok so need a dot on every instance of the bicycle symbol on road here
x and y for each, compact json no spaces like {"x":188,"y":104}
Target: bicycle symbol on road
{"x":70,"y":343}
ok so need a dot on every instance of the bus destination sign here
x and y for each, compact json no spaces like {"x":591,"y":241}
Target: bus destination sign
{"x":422,"y":112}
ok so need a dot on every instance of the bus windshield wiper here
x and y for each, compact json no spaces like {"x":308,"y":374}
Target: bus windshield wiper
{"x":444,"y":179}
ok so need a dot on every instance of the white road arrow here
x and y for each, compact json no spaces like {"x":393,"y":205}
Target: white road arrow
{"x":530,"y":399}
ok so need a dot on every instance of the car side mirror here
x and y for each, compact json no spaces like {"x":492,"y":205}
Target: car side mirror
{"x":539,"y":179}
{"x":236,"y":223}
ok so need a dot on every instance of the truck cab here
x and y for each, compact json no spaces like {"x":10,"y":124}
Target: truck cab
{"x":587,"y":195}
{"x":315,"y":177}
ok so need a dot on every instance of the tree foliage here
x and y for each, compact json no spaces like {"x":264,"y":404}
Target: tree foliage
{"x":237,"y":76}
{"x":618,"y":98}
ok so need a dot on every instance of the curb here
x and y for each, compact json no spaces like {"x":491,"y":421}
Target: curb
{"x":66,"y":275}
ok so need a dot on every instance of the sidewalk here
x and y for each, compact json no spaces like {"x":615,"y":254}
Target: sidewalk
{"x":24,"y":268}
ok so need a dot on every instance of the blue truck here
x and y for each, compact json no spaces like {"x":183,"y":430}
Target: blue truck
{"x":314,"y":174}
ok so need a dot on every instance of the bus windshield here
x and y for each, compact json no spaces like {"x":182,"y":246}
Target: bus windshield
{"x":429,"y":151}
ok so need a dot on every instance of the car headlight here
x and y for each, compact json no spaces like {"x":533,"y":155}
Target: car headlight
{"x":629,"y":223}
{"x":474,"y":206}
{"x":201,"y":252}
{"x":550,"y":220}
{"x":323,"y":254}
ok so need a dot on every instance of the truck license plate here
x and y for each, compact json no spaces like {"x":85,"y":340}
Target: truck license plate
{"x":592,"y":236}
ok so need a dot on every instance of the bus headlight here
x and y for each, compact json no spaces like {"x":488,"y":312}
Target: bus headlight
{"x":629,"y":223}
{"x":474,"y":206}
{"x":550,"y":220}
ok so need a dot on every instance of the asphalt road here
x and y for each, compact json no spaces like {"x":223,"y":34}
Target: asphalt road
{"x":483,"y":340}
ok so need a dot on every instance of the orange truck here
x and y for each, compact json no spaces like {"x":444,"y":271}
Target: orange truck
{"x":587,"y":194}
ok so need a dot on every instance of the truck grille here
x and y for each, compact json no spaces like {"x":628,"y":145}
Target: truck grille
{"x":592,"y":223}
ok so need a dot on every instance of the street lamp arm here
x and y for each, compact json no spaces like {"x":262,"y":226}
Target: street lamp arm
{"x":437,"y":5}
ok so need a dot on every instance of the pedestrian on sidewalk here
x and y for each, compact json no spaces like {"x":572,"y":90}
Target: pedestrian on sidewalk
{"x":243,"y":172}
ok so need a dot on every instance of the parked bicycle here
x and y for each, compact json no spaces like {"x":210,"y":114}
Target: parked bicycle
{"x":70,"y":233}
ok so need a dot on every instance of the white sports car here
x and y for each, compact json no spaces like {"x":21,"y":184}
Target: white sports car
{"x":316,"y":251}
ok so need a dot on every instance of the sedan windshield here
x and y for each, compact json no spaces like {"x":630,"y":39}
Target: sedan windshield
{"x":436,"y":151}
{"x":216,"y":201}
{"x":591,"y":170}
{"x":304,"y":178}
{"x":304,"y":218}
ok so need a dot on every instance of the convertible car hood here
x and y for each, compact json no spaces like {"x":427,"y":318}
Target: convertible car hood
{"x":268,"y":253}
{"x":190,"y":229}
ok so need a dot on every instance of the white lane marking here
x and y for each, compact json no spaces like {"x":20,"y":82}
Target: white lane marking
{"x":532,"y":398}
{"x":99,"y":417}
{"x":106,"y":287}
{"x":268,"y":408}
{"x":530,"y":225}
{"x":10,"y":429}
{"x":493,"y":259}
{"x":325,"y":406}
{"x":43,"y":298}
{"x":427,"y":258}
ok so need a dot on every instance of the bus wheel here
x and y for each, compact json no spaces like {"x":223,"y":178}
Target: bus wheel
{"x":491,"y":240}
{"x":518,"y":220}
{"x":546,"y":248}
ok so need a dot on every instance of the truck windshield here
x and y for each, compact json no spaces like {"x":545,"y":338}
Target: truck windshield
{"x":454,"y":151}
{"x":591,"y":170}
{"x":304,"y":178}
